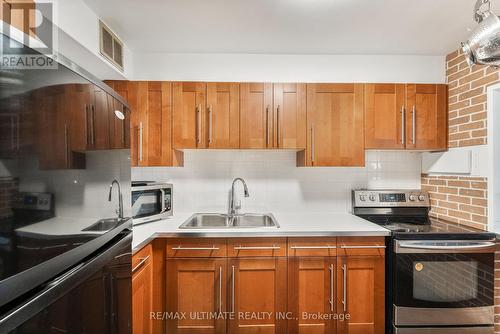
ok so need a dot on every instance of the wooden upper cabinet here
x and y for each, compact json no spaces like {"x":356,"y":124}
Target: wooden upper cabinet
{"x":257,"y":285}
{"x":311,"y":290}
{"x":223,"y":115}
{"x":154,"y":133}
{"x":427,"y":117}
{"x":189,"y":115}
{"x":360,"y":287}
{"x":196,"y":285}
{"x":384,"y":116}
{"x":334,"y":125}
{"x":256,"y":115}
{"x":289,"y":116}
{"x":54,"y":139}
{"x":119,"y":129}
{"x":99,"y":119}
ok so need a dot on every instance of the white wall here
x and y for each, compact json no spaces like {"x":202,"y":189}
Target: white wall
{"x":275,"y":184}
{"x":289,"y":68}
{"x":80,"y":40}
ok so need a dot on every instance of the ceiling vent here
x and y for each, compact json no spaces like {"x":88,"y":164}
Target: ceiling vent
{"x":111,"y":47}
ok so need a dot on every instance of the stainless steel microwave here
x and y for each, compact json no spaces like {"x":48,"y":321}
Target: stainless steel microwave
{"x":151,"y":201}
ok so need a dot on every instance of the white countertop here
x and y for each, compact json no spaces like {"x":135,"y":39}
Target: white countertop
{"x":60,"y":226}
{"x":316,"y":224}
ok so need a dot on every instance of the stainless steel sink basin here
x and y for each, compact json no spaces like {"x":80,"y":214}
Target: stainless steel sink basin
{"x":223,"y":221}
{"x":104,"y":225}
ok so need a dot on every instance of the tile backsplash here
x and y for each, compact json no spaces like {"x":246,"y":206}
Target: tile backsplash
{"x":275,"y":183}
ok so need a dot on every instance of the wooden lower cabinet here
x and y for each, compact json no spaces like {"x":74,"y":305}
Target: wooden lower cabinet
{"x":311,"y":292}
{"x":257,"y":295}
{"x":142,"y":292}
{"x":196,"y":289}
{"x":361,"y":291}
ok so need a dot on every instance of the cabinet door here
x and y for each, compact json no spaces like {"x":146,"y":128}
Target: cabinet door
{"x":290,"y":116}
{"x":118,"y":132}
{"x":99,"y":119}
{"x":223,"y":112}
{"x":142,"y":299}
{"x":189,"y":115}
{"x":257,"y":286}
{"x":385,"y":116}
{"x":122,"y":88}
{"x":154,"y":104}
{"x":54,"y":131}
{"x":335,"y":125}
{"x":361,"y":294}
{"x":195,"y":286}
{"x":256,"y":116}
{"x":311,"y":291}
{"x":427,"y":117}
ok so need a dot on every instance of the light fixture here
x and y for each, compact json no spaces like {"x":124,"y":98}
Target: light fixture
{"x":119,"y":114}
{"x":483,"y":47}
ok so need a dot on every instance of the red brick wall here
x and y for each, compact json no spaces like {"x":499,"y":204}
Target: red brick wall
{"x":461,"y":200}
{"x":467,"y":100}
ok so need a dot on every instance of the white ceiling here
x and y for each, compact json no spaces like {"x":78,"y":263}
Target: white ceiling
{"x":418,"y":27}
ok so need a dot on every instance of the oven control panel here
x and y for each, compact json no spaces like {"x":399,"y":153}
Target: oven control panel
{"x":390,"y":198}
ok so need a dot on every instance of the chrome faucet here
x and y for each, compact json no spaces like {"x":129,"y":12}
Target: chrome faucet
{"x":120,"y":197}
{"x":233,"y":208}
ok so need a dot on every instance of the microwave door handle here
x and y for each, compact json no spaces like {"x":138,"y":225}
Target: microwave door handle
{"x":162,"y":200}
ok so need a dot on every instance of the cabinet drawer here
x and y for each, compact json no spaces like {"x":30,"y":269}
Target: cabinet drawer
{"x":202,"y":247}
{"x":312,"y":246}
{"x":360,"y":246}
{"x":142,"y":258}
{"x":251,"y":247}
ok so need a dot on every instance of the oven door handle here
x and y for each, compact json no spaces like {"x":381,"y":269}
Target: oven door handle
{"x":435,"y":247}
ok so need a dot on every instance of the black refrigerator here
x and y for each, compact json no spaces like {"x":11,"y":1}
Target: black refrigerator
{"x":65,"y":248}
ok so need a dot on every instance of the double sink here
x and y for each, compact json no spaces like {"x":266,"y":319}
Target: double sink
{"x":218,"y":220}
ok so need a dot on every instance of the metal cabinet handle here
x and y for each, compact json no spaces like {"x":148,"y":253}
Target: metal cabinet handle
{"x":256,"y":247}
{"x":198,"y":123}
{"x":278,"y":126}
{"x":361,"y":247}
{"x":313,"y":247}
{"x":232,"y":289}
{"x":313,"y":154}
{"x":220,"y":289}
{"x":123,"y":128}
{"x":403,"y":122}
{"x":195,"y":248}
{"x":331,"y":287}
{"x":140,"y":264}
{"x":66,"y":146}
{"x":413,"y":120}
{"x":140,"y":141}
{"x":87,"y":120}
{"x":267,"y":126}
{"x":344,"y":292}
{"x":210,"y":112}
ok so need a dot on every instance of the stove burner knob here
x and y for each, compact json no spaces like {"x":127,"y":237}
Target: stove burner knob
{"x":362,"y":198}
{"x":372,"y":198}
{"x":421,"y":198}
{"x":413,"y":198}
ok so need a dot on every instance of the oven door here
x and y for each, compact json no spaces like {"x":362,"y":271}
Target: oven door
{"x":151,"y":203}
{"x":442,"y":282}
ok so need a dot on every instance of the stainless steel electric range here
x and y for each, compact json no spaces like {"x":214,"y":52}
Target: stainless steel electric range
{"x":440,"y":276}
